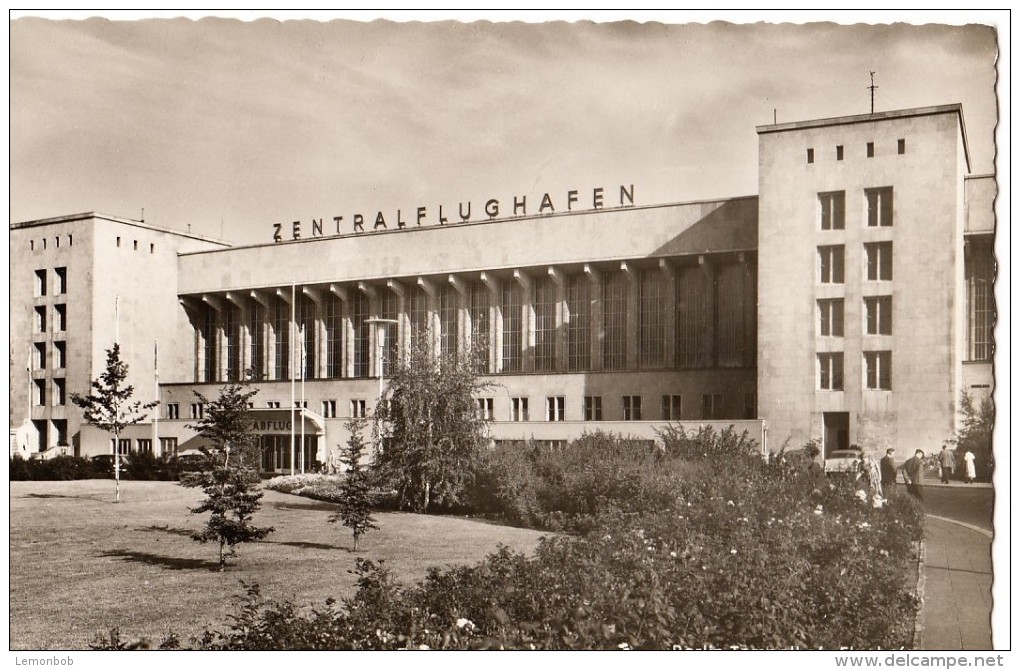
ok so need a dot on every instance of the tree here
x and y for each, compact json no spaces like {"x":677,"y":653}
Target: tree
{"x":431,"y":426}
{"x":109,"y":406}
{"x":355,"y":489}
{"x":975,"y":433}
{"x":231,"y":484}
{"x":226,"y":424}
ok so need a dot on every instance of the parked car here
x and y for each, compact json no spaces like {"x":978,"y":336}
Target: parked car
{"x":843,"y":460}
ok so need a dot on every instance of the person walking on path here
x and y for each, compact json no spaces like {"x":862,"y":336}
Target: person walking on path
{"x":968,"y":460}
{"x":947,"y":463}
{"x":888,"y":467}
{"x":913,"y":472}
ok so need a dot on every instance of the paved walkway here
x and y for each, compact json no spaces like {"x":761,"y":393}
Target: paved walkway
{"x":957,"y":608}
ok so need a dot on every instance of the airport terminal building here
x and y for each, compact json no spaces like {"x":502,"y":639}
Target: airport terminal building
{"x":850,"y":301}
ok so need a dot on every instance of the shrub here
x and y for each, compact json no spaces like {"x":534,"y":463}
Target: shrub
{"x":20,"y":470}
{"x":145,"y":466}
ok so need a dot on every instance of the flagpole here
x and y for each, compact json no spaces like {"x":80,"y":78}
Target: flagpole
{"x":157,"y":448}
{"x":290,"y":356}
{"x":303,"y":399}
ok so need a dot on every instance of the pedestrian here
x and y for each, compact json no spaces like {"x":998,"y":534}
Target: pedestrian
{"x":968,"y":460}
{"x":913,"y":474}
{"x":888,"y":468}
{"x":947,"y":463}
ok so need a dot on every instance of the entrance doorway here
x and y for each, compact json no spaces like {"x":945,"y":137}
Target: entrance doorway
{"x":837,"y":431}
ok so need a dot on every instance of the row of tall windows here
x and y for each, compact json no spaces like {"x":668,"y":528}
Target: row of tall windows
{"x":877,"y":316}
{"x":712,"y":318}
{"x":712,"y":407}
{"x":877,"y":203}
{"x":877,"y":370}
{"x":878,"y":262}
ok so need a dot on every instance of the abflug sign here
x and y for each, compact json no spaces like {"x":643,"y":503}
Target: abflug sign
{"x":573,"y":200}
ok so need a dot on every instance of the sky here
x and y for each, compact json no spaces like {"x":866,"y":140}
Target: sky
{"x":225,"y":127}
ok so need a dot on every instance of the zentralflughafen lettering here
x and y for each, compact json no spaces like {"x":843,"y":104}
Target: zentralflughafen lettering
{"x":518,"y":206}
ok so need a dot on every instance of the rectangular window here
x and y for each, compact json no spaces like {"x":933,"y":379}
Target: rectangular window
{"x":197,"y":410}
{"x":362,"y":333}
{"x":979,"y":269}
{"x":901,"y":146}
{"x":878,"y":313}
{"x":329,"y":409}
{"x":123,"y":447}
{"x":144,"y":446}
{"x":671,"y":407}
{"x":510,"y":307}
{"x":871,"y":149}
{"x":878,"y":370}
{"x":40,"y":391}
{"x":40,"y":283}
{"x":61,"y":275}
{"x":40,"y":356}
{"x":418,"y":312}
{"x":545,"y":306}
{"x":168,"y":446}
{"x":40,"y":319}
{"x":232,"y":335}
{"x":833,"y":210}
{"x":830,"y":371}
{"x":273,"y":404}
{"x":554,"y":406}
{"x":614,"y":305}
{"x":631,"y":408}
{"x":830,"y":264}
{"x":306,"y":336}
{"x":693,"y":300}
{"x":334,"y":337}
{"x":592,"y":408}
{"x":281,"y":338}
{"x":210,"y":371}
{"x":810,"y":156}
{"x":839,"y":152}
{"x":256,"y":317}
{"x":484,"y":410}
{"x":60,"y":315}
{"x":651,"y":319}
{"x":59,"y":355}
{"x":734,"y":318}
{"x":479,"y":314}
{"x":59,"y":392}
{"x":518,"y":409}
{"x":388,"y":309}
{"x":173,"y":410}
{"x":880,"y":206}
{"x":830,"y":317}
{"x":448,"y":321}
{"x":711,"y":406}
{"x":879,"y":259}
{"x":579,"y":323}
{"x":358,"y":410}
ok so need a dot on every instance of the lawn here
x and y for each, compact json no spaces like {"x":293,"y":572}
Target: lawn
{"x":81,"y":564}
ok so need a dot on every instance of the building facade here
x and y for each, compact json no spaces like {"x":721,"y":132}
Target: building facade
{"x":849,"y":302}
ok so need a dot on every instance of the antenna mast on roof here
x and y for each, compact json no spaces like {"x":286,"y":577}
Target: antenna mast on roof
{"x":872,"y":89}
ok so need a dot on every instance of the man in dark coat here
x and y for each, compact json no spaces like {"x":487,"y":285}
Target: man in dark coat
{"x":913,"y":472}
{"x":888,"y":468}
{"x":947,"y":463}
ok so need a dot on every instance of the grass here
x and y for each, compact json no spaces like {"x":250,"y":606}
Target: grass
{"x":81,"y":564}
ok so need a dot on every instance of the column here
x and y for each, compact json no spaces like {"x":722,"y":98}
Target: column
{"x":633,"y":306}
{"x":527,"y":320}
{"x":495,"y":323}
{"x":562,"y":318}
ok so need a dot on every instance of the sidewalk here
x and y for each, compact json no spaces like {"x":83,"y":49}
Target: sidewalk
{"x":957,"y":607}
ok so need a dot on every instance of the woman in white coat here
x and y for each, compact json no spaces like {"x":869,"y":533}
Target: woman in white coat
{"x":968,"y":460}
